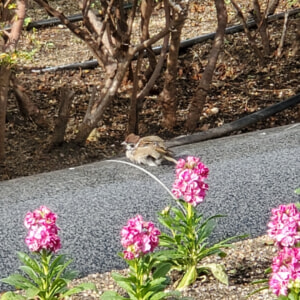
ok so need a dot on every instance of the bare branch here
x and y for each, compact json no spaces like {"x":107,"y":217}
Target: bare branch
{"x":283,"y":34}
{"x":27,"y":108}
{"x":176,"y":7}
{"x":131,"y":17}
{"x":156,"y":71}
{"x":250,"y":38}
{"x":14,"y":35}
{"x":86,"y":4}
{"x":262,"y":26}
{"x":91,"y":102}
{"x":150,"y":41}
{"x":6,"y":3}
{"x":79,"y":32}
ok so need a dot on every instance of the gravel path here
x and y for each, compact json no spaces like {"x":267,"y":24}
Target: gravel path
{"x":249,"y":175}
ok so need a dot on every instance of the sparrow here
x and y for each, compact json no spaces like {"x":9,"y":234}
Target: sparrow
{"x":149,"y":150}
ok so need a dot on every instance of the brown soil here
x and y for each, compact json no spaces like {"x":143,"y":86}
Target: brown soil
{"x":240,"y":87}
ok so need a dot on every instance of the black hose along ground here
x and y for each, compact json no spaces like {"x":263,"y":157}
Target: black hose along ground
{"x":235,"y":125}
{"x":90,"y":64}
{"x":211,"y":133}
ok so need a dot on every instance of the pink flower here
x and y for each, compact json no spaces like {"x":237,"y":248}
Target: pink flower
{"x":43,"y":231}
{"x":284,"y":226}
{"x":285,"y":268}
{"x":189,"y":182}
{"x":42,"y":215}
{"x":139,"y":238}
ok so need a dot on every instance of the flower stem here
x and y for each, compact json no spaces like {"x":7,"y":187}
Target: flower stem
{"x":44,"y":260}
{"x":147,"y":172}
{"x":139,"y":276}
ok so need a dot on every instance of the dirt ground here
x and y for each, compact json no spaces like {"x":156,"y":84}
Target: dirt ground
{"x":240,"y":87}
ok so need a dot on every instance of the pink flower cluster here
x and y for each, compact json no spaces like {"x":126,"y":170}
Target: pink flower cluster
{"x":285,"y":268}
{"x":43,"y":231}
{"x":284,"y":227}
{"x":189,"y":182}
{"x":139,"y":237}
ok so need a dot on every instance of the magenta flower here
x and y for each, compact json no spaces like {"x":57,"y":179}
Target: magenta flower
{"x":189,"y":183}
{"x":139,"y":238}
{"x":285,"y":268}
{"x":43,"y":215}
{"x":284,"y":226}
{"x":43,"y":231}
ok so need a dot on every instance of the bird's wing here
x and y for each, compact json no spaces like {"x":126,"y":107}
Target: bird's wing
{"x":147,"y":151}
{"x":150,"y":141}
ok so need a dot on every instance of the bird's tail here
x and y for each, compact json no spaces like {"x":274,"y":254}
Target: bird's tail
{"x":169,"y":158}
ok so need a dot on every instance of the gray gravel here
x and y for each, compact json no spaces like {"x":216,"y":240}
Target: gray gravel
{"x":249,"y":175}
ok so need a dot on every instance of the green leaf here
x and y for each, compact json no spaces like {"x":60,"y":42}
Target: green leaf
{"x":33,"y":275}
{"x":27,"y":21}
{"x":297,"y":191}
{"x":165,"y":222}
{"x":162,"y":270}
{"x":70,"y":275}
{"x":32,"y":292}
{"x":189,"y":277}
{"x":110,"y":295}
{"x":218,"y":272}
{"x":123,"y":282}
{"x":30,"y":262}
{"x":81,"y":287}
{"x":293,"y":295}
{"x":58,"y":286}
{"x":179,"y":214}
{"x":257,"y":291}
{"x":12,"y":6}
{"x":260,"y":281}
{"x":58,"y":262}
{"x":156,"y":282}
{"x":283,"y":298}
{"x":58,"y":266}
{"x":165,"y":240}
{"x":12,"y":296}
{"x":118,"y":277}
{"x":158,"y":296}
{"x":18,"y":281}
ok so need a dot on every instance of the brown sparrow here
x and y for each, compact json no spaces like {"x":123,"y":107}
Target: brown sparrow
{"x":149,"y":150}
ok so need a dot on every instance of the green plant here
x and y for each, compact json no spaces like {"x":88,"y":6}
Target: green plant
{"x":146,"y":279}
{"x":45,"y":277}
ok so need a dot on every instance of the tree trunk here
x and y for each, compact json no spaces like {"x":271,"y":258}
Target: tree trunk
{"x":6,"y":45}
{"x":133,"y":116}
{"x":273,"y":4}
{"x":109,"y":40}
{"x":66,"y":96}
{"x":146,"y":9}
{"x":17,"y":25}
{"x":296,"y":43}
{"x":27,"y":108}
{"x":169,"y":99}
{"x":199,"y":99}
{"x":92,"y":117}
{"x":5,"y":12}
{"x":4,"y":84}
{"x":146,"y":13}
{"x":262,"y":25}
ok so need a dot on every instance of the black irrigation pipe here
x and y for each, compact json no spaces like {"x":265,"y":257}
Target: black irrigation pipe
{"x":90,"y":64}
{"x":55,"y":21}
{"x":235,"y":125}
